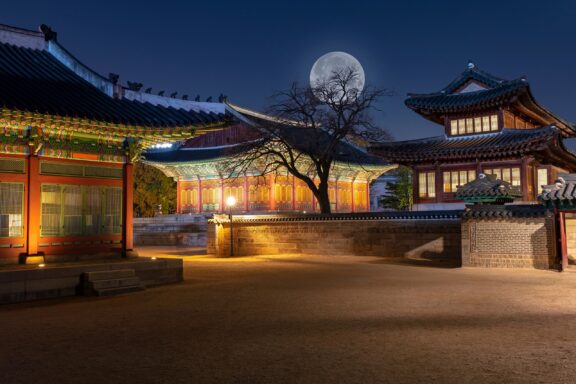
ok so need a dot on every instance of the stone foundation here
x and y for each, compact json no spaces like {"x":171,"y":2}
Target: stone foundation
{"x":189,"y":230}
{"x":27,"y":283}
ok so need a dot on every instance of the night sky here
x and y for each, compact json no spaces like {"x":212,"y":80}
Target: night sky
{"x":248,"y":50}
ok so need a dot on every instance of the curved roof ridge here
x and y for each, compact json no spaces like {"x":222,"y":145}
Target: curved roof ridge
{"x":21,"y":37}
{"x":472,"y":72}
{"x":503,"y":84}
{"x":262,"y":116}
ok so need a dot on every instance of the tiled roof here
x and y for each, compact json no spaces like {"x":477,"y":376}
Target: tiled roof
{"x":369,"y":216}
{"x":508,"y":143}
{"x":301,"y":138}
{"x":497,"y":93}
{"x":36,"y":80}
{"x":505,"y":211}
{"x":184,"y":155}
{"x":487,"y":188}
{"x":472,"y":72}
{"x":501,"y":94}
{"x":563,"y":190}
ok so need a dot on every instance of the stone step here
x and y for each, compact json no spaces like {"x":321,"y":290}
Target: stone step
{"x":119,"y":290}
{"x":108,"y":275}
{"x":114,"y":283}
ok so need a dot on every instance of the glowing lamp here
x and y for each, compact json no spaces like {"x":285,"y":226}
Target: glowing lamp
{"x":231,"y":201}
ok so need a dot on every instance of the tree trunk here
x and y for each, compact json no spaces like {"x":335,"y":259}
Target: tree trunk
{"x":323,"y":198}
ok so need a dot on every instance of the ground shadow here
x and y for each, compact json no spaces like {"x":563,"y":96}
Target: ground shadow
{"x":426,"y":259}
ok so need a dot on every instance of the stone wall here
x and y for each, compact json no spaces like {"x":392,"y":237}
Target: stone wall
{"x":517,"y":237}
{"x":385,"y":235}
{"x":189,"y":230}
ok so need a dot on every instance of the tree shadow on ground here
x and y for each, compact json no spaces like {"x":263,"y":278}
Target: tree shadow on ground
{"x":426,"y":259}
{"x":188,"y":252}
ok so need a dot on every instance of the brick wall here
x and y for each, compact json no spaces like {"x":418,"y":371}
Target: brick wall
{"x":427,"y":238}
{"x":512,"y":242}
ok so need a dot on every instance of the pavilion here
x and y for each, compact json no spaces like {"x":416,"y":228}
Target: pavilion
{"x":203,"y":183}
{"x":492,"y":126}
{"x":68,"y":140}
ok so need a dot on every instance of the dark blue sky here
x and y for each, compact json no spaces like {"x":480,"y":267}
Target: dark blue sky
{"x":249,"y":49}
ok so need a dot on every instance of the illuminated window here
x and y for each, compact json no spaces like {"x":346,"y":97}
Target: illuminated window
{"x":11,"y":209}
{"x":493,"y":123}
{"x":77,"y":210}
{"x":461,"y":127}
{"x":454,"y":127}
{"x":511,"y":175}
{"x":427,"y":184}
{"x":485,"y":123}
{"x":542,"y":178}
{"x":453,"y":179}
{"x":477,"y":124}
{"x":474,"y":125}
{"x":469,"y":125}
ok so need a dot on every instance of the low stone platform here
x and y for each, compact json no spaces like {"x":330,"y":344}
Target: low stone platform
{"x":20,"y":283}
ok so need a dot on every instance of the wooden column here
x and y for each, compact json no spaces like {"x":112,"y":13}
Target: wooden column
{"x":563,"y":241}
{"x":222,"y":207}
{"x":199,"y":195}
{"x":524,"y":179}
{"x":272,"y":197}
{"x":34,"y":206}
{"x":293,"y":193}
{"x":336,"y":195}
{"x":178,"y":196}
{"x":367,"y":195}
{"x":246,"y":194}
{"x":127,"y":207}
{"x":352,"y":196}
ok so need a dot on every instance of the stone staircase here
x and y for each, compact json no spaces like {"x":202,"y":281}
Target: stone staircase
{"x":107,"y":283}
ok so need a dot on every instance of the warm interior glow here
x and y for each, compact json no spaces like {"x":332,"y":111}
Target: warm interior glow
{"x":231,"y":201}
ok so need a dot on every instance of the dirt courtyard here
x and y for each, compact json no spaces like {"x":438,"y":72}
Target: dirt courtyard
{"x":304,"y":320}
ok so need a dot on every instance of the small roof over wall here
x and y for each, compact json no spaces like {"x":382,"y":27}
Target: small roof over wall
{"x":488,"y":189}
{"x":561,"y":194}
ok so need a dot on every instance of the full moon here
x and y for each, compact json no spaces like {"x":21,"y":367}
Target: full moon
{"x":324,"y":68}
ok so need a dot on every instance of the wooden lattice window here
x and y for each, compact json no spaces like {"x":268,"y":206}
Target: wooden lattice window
{"x":11,"y":209}
{"x":427,"y":184}
{"x":68,"y":209}
{"x":453,"y":179}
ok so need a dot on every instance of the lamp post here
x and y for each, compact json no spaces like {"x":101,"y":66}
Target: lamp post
{"x":231,"y":202}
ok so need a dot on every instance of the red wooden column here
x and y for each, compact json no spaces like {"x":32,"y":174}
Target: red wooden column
{"x":336,"y":196}
{"x":246,"y":195}
{"x":367,"y":195}
{"x":272,"y":197}
{"x":34,"y":208}
{"x":293,"y":193}
{"x":199,"y":195}
{"x":352,"y":197}
{"x":563,"y":242}
{"x":127,"y":208}
{"x":178,"y":196}
{"x":222,"y":207}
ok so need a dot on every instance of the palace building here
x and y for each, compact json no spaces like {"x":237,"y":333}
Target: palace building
{"x":68,"y":139}
{"x":492,"y":126}
{"x":199,"y":166}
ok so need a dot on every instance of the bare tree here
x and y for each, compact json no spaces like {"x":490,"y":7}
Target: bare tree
{"x":305,"y":128}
